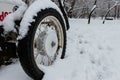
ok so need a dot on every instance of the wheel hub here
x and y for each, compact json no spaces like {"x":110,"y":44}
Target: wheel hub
{"x":51,"y":43}
{"x":47,"y":43}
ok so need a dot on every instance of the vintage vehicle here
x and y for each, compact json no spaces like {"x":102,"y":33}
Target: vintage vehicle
{"x":35,"y":30}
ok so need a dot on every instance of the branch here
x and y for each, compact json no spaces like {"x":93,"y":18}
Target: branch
{"x":117,"y":3}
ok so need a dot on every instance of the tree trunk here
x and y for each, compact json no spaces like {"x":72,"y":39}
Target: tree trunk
{"x":92,"y":10}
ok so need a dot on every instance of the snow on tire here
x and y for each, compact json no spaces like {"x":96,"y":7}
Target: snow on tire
{"x":44,"y":42}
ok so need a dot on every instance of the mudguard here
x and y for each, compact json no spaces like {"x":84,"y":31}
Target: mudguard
{"x":32,"y":11}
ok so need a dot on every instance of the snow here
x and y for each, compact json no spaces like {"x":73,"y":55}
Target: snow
{"x":93,"y":7}
{"x":26,"y":13}
{"x":14,"y":2}
{"x":92,"y":54}
{"x":13,"y":72}
{"x":8,"y":23}
{"x":32,"y":11}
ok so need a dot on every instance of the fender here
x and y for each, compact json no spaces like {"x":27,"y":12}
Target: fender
{"x":32,"y":11}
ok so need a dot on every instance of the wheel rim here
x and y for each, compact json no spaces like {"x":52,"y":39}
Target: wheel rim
{"x":48,"y":41}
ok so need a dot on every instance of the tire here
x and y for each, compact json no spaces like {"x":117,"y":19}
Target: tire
{"x":47,"y":38}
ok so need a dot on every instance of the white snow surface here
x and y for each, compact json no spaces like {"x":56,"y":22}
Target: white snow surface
{"x":92,"y":54}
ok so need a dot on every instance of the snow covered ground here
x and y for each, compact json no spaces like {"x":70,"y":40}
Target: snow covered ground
{"x":93,"y":53}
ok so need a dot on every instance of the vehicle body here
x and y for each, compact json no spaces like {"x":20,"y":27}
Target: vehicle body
{"x":36,"y":30}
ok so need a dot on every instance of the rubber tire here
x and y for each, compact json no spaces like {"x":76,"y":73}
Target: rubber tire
{"x":25,"y":46}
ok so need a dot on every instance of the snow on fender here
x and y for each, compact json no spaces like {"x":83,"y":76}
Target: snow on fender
{"x":8,"y":21}
{"x":32,"y":11}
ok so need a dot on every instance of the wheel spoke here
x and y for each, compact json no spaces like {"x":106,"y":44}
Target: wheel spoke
{"x":48,"y":40}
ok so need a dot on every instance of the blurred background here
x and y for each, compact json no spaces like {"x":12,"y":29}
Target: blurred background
{"x":82,"y":8}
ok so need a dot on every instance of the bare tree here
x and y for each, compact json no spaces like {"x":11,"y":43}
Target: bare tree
{"x":116,"y":3}
{"x":70,"y":7}
{"x":82,"y":8}
{"x":92,"y":10}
